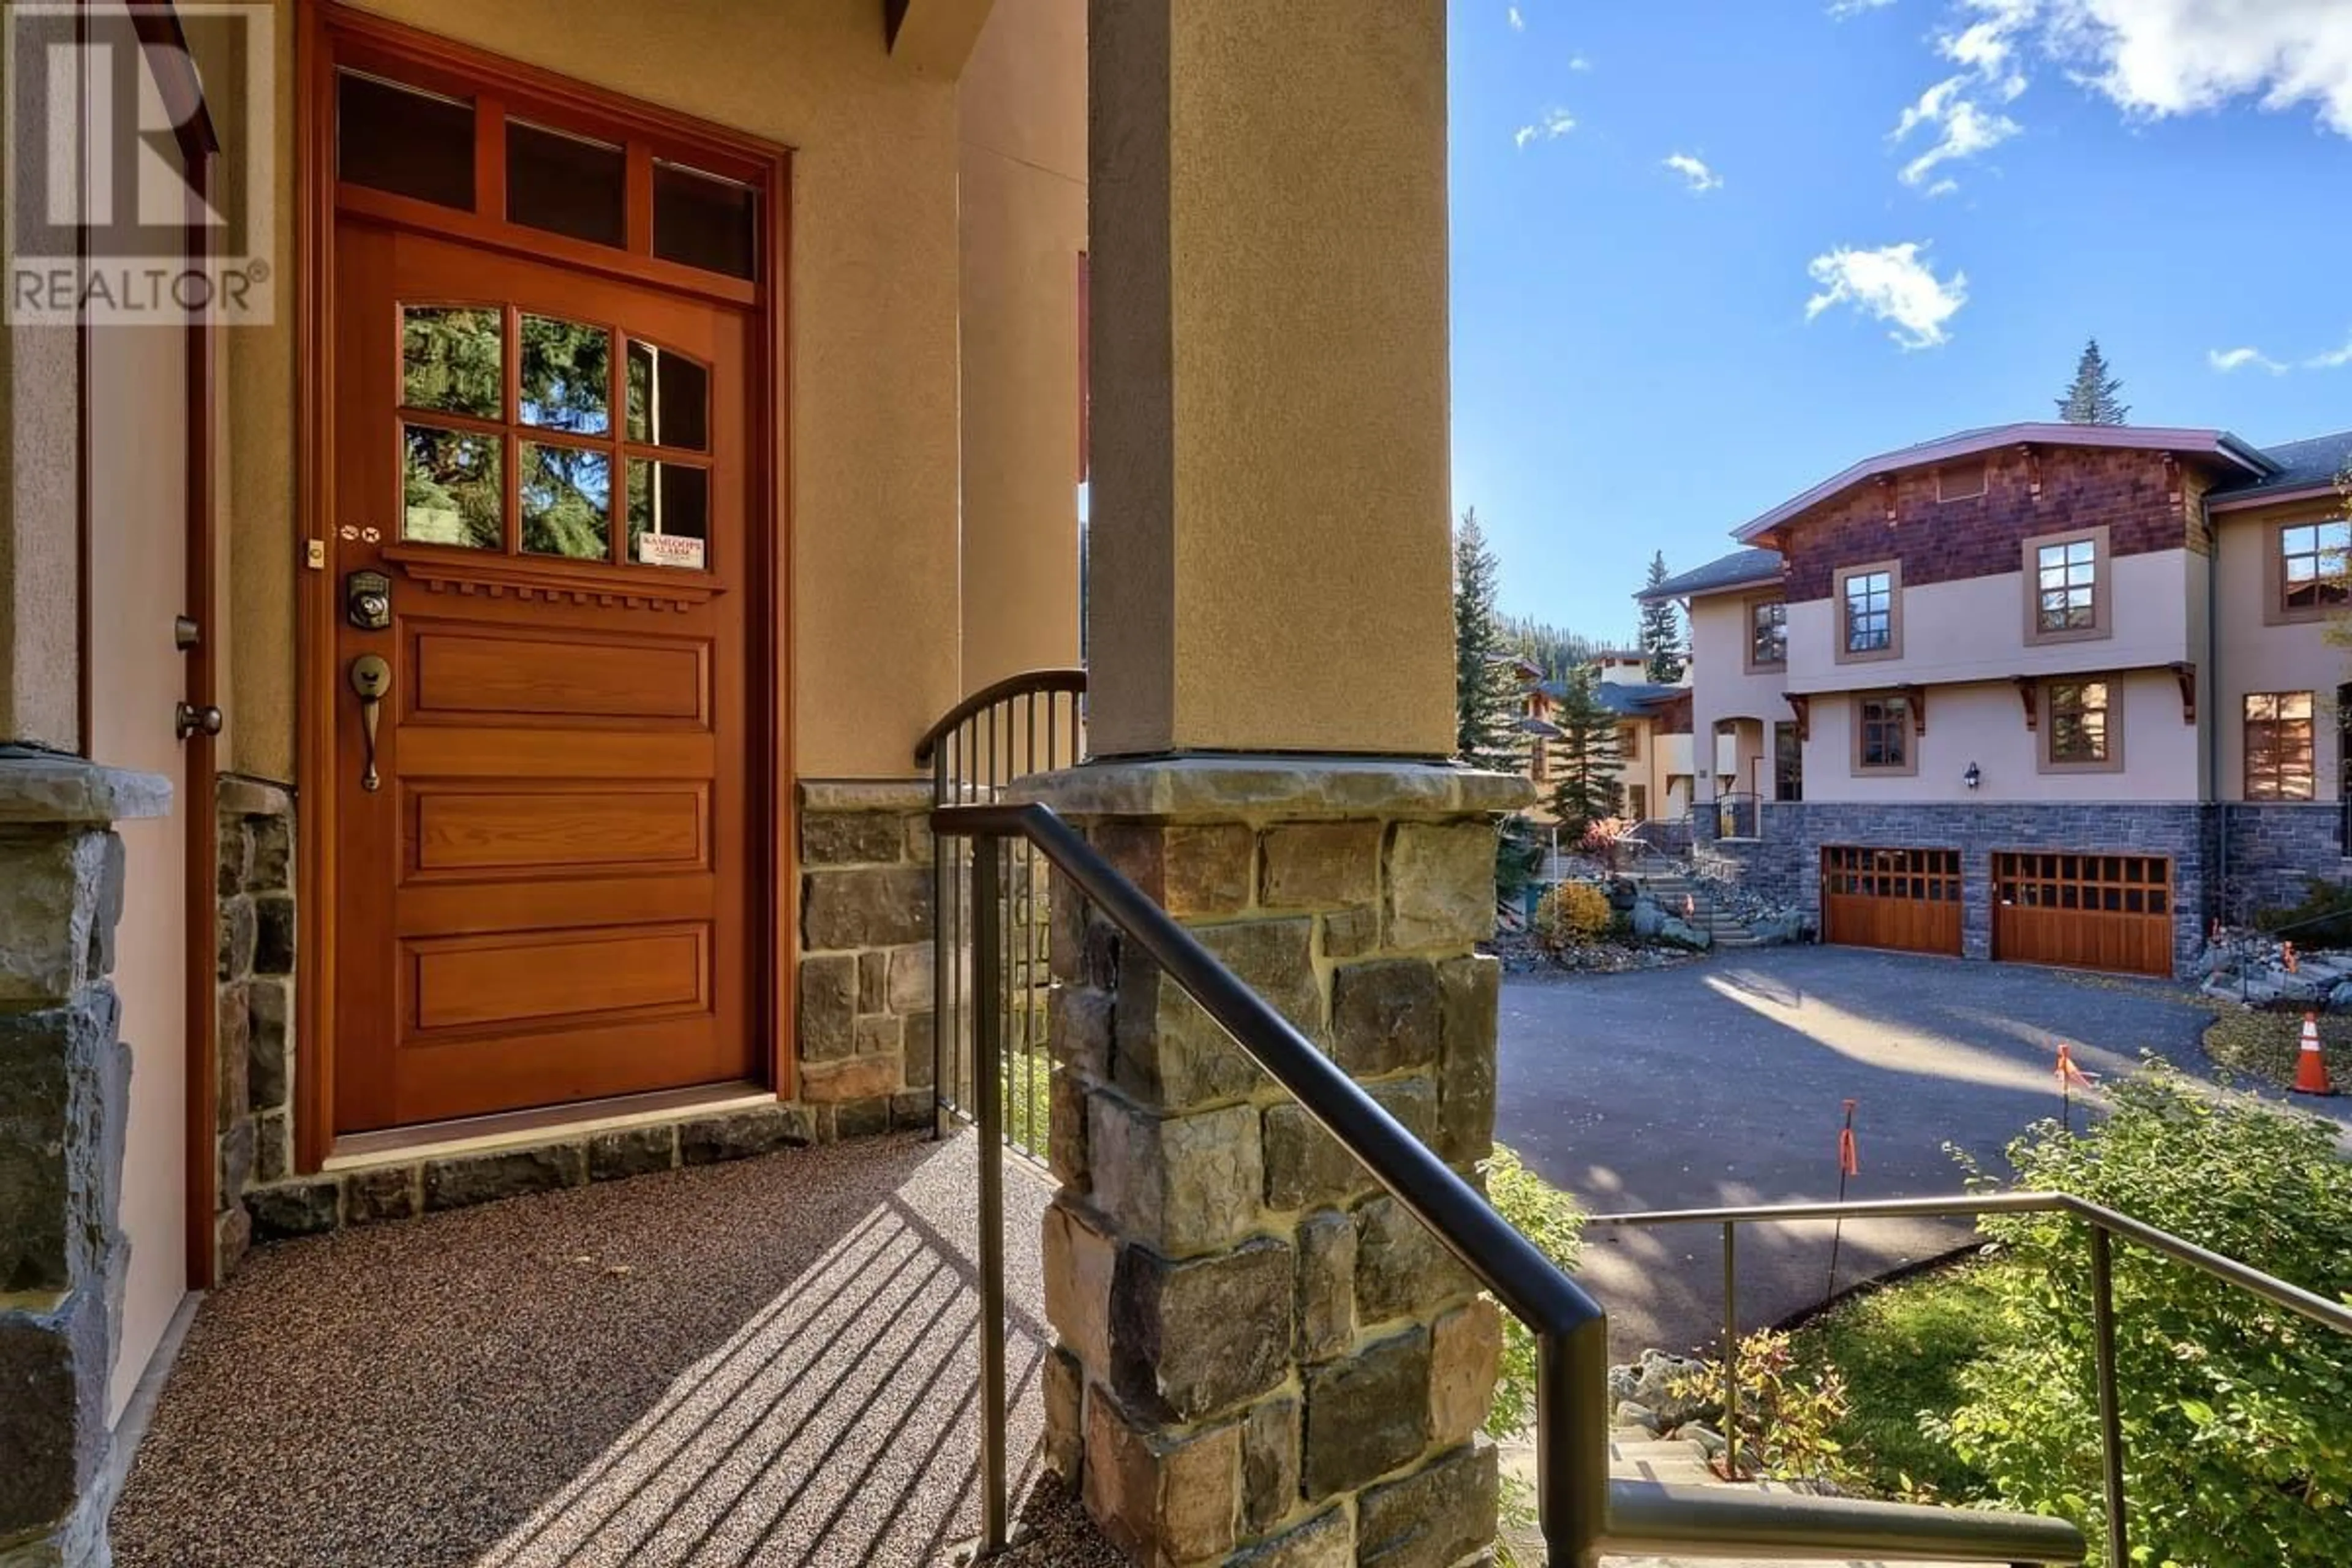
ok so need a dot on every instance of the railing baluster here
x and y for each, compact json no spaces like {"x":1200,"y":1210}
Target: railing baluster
{"x":989,"y":1047}
{"x":2111,"y":1421}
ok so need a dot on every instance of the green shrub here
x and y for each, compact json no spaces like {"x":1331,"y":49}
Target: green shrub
{"x":2323,"y":918}
{"x":2238,"y":1447}
{"x":1548,"y":1218}
{"x":1788,"y":1412}
{"x":1571,"y":914}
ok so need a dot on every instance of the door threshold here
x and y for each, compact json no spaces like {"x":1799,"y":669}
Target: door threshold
{"x":514,"y":1129}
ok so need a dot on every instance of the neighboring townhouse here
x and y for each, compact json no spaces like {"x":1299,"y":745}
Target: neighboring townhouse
{"x":1653,"y":735}
{"x":2040,"y":692}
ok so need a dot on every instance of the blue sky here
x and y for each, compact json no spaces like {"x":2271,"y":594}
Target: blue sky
{"x":1635,"y":365}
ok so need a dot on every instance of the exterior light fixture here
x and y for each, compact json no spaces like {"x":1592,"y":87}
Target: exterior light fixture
{"x":1973,"y":777}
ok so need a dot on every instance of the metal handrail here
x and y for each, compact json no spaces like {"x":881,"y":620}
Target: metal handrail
{"x":2105,"y":1222}
{"x":1582,"y":1512}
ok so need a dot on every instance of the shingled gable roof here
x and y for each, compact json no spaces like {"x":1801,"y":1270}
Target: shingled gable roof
{"x":2187,"y":443}
{"x":1740,"y":568}
{"x":2305,"y":467}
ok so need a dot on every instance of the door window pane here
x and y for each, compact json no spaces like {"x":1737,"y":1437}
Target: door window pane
{"x":567,"y":185}
{"x":567,"y":495}
{"x":669,"y":514}
{"x":704,"y":221}
{"x":567,"y":376}
{"x":669,"y":398}
{"x":406,"y":141}
{"x":450,"y":360}
{"x":450,"y":492}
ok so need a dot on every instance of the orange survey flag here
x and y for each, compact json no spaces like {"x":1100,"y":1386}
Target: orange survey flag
{"x":2069,"y":1074}
{"x":1849,"y":1157}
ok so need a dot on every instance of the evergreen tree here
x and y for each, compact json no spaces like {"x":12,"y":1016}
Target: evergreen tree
{"x":1485,"y":686}
{"x":1662,"y":630}
{"x":1585,"y":758}
{"x":1556,"y":652}
{"x":2092,"y":399}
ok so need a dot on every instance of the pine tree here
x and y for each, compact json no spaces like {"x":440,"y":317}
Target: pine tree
{"x":1662,"y":630}
{"x":1553,"y":650}
{"x":1585,"y":758}
{"x":1485,"y":689}
{"x":2092,"y":399}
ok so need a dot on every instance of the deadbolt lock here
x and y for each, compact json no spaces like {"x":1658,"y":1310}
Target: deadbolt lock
{"x":367,"y":600}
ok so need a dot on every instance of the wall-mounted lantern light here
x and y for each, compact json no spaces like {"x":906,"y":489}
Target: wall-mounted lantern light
{"x":1973,"y":777}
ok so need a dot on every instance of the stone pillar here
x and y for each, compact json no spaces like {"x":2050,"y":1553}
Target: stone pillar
{"x":65,"y":1084}
{"x":1257,"y":1351}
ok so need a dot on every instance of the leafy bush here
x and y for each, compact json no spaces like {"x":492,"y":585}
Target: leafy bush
{"x":1548,"y":1218}
{"x":2323,"y":918}
{"x":1571,"y":914}
{"x":1786,"y":1411}
{"x":1608,"y":838}
{"x":2237,"y":1446}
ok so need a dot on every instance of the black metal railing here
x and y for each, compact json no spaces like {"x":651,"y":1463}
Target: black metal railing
{"x":1738,"y":813}
{"x":2105,"y":1224}
{"x":1583,"y":1512}
{"x":1027,"y":724}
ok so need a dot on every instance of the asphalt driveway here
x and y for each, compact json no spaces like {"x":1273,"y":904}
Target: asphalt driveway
{"x":1720,"y":1082}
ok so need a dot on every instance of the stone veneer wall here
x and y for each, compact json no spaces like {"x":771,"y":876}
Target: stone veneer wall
{"x":862,"y":1034}
{"x":1981,"y":828}
{"x":1260,"y":1356}
{"x":65,"y":1087}
{"x":2276,"y":850}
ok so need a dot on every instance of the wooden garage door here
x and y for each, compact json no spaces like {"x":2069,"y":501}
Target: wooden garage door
{"x":1903,"y":898}
{"x":2091,"y":911}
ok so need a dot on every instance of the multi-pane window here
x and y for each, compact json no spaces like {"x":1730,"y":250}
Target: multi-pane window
{"x":2079,"y":729}
{"x":2279,"y":752}
{"x":1788,"y":764}
{"x":1629,"y":743}
{"x":1886,"y":733}
{"x":1869,"y":612}
{"x":1767,"y":632}
{"x":2067,"y":575}
{"x":2313,"y":558}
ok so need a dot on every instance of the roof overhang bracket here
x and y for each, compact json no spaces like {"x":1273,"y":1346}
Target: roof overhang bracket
{"x":2029,"y":692}
{"x":1802,"y":706}
{"x":2186,"y":675}
{"x":1917,"y":696}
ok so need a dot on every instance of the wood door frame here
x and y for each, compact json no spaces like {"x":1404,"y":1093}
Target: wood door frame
{"x":329,"y":34}
{"x":164,"y":43}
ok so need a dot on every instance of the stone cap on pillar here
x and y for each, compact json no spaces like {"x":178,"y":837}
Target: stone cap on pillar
{"x":1273,"y":786}
{"x":49,"y":788}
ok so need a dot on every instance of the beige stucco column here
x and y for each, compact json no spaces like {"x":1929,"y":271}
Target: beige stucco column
{"x":1260,"y":1357}
{"x":1269,"y":567}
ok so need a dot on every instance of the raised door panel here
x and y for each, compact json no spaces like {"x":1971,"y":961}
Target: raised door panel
{"x":471,"y":830}
{"x":550,"y":979}
{"x":488,"y":674}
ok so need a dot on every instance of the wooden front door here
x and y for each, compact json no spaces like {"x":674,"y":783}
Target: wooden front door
{"x":1908,"y":899}
{"x":543,"y":854}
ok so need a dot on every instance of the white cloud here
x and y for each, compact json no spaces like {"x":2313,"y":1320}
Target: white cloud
{"x":2334,"y":359}
{"x":1519,"y":23}
{"x":1702,"y":178}
{"x":1941,"y":188}
{"x":1841,"y":9}
{"x":1555,"y":124}
{"x":1963,"y":128}
{"x":2227,"y":359}
{"x":1892,"y":284}
{"x":1579,"y":63}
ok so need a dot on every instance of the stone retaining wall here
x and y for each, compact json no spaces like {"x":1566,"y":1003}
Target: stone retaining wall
{"x":1260,"y":1357}
{"x":863,"y":1034}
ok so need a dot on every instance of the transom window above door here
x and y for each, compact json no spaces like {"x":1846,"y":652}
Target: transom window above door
{"x":402,"y":133}
{"x":531,"y":434}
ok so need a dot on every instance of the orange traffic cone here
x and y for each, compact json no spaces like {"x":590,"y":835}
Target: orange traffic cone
{"x":2310,"y":1067}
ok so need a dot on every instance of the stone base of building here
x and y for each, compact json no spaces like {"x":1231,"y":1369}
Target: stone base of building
{"x":65,"y":1110}
{"x":2271,"y":853}
{"x":1261,"y":1357}
{"x":863,"y":1034}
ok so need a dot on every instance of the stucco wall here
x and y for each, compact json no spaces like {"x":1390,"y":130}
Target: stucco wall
{"x":1974,"y":629}
{"x":1722,"y":689}
{"x":1985,"y":724}
{"x":40,"y":574}
{"x":1021,"y":113}
{"x":2252,"y":657}
{"x":872,"y":436}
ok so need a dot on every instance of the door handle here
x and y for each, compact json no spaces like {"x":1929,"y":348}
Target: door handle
{"x":370,"y":678}
{"x":187,"y":719}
